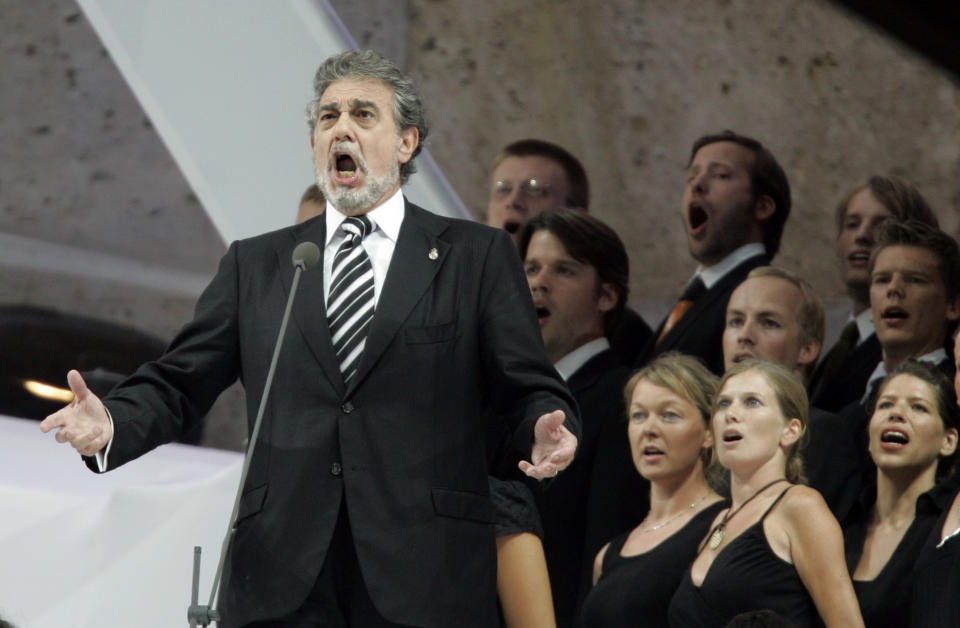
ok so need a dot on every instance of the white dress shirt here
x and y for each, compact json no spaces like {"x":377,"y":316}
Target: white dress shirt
{"x":571,"y":363}
{"x":715,"y":273}
{"x":379,"y":244}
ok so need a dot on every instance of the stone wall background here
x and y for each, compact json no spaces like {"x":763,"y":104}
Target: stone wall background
{"x":627,"y":85}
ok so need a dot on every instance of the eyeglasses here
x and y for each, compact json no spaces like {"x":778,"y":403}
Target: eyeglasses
{"x":531,"y":188}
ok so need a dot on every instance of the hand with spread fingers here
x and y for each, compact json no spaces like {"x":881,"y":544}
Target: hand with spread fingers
{"x":83,"y":423}
{"x":553,"y":447}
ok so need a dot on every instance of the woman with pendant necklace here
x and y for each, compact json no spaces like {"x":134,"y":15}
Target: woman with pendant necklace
{"x":777,"y":547}
{"x":637,"y":572}
{"x":913,"y":442}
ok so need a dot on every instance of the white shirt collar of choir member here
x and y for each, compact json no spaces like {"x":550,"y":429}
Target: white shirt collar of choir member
{"x":715,"y":273}
{"x":571,"y":363}
{"x":934,"y":357}
{"x":864,"y":325}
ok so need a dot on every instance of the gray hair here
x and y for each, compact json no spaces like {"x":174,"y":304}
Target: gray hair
{"x":367,"y":64}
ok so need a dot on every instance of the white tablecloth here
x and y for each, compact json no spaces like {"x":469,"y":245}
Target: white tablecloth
{"x":79,"y":549}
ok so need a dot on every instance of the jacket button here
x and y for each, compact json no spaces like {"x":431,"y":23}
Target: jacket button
{"x":347,"y":408}
{"x":336,"y":469}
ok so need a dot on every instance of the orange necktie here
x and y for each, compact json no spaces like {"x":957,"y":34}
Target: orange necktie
{"x":693,"y":291}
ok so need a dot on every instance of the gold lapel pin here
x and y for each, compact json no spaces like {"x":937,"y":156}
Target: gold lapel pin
{"x":433,"y":254}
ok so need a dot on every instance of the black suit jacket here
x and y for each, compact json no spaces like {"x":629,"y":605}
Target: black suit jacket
{"x":700,"y":331}
{"x":851,"y":379}
{"x":832,"y":461}
{"x":402,"y":446}
{"x":630,"y":337}
{"x":596,"y":497}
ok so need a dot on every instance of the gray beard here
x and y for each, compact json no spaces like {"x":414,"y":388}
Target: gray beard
{"x":354,"y":201}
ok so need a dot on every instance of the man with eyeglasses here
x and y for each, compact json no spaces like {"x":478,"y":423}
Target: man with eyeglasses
{"x":533,"y":176}
{"x":530,"y":177}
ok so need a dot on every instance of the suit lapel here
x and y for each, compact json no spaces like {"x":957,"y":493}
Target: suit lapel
{"x":309,"y":310}
{"x":412,"y":269}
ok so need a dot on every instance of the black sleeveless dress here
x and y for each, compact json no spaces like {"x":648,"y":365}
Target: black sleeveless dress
{"x":745,"y":576}
{"x":635,"y":590}
{"x":885,"y":600}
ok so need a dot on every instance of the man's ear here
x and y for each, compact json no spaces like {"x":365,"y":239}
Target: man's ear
{"x":808,"y":353}
{"x":953,"y":308}
{"x":763,"y":208}
{"x":409,"y":140}
{"x":608,"y":298}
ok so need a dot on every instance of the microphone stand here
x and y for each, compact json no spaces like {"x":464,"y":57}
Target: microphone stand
{"x":305,"y":256}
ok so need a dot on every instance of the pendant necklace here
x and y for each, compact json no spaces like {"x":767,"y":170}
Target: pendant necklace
{"x":682,"y":512}
{"x":719,"y":531}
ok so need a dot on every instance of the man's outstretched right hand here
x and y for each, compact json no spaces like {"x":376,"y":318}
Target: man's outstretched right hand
{"x":84,"y":423}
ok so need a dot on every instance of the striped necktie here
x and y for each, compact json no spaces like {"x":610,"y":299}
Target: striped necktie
{"x":350,"y":304}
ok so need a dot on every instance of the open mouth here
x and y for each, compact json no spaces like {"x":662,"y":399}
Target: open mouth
{"x":740,"y":357}
{"x":651,"y":451}
{"x":511,"y":226}
{"x":895,"y":437}
{"x":732,"y":437}
{"x":542,"y":313}
{"x":859,"y":257}
{"x":697,"y":215}
{"x":346,"y":166}
{"x":894,"y":313}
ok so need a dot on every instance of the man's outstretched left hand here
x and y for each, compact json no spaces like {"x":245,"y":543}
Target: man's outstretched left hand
{"x":553,"y":447}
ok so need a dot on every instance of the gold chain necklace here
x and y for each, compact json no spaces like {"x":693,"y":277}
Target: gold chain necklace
{"x":719,"y":531}
{"x":676,"y":516}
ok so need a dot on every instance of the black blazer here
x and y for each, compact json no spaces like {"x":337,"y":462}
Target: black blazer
{"x":453,"y":339}
{"x":851,"y":380}
{"x":592,"y":499}
{"x":700,"y":331}
{"x":832,"y":461}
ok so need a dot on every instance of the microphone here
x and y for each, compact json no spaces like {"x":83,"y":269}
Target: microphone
{"x":305,"y":256}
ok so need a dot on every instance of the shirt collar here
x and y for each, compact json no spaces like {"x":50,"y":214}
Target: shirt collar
{"x":934,"y":357}
{"x":571,"y":363}
{"x":715,"y":273}
{"x":864,"y":325}
{"x":387,"y":215}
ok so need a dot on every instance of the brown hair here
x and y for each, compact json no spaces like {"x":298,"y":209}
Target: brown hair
{"x":791,"y":399}
{"x":589,"y":241}
{"x":578,"y":195}
{"x":313,"y":193}
{"x":767,"y":178}
{"x":899,"y":198}
{"x":923,"y":235}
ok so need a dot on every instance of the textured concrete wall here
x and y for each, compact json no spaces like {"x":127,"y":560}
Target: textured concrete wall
{"x":83,"y":167}
{"x":628,"y":86}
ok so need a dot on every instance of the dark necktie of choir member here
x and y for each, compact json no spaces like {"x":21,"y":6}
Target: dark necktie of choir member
{"x":350,"y":304}
{"x":687,"y":299}
{"x":837,"y":356}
